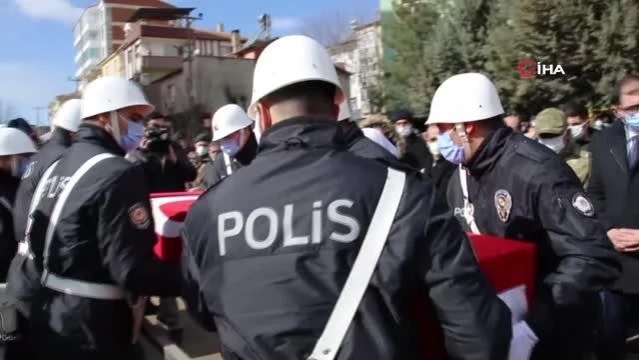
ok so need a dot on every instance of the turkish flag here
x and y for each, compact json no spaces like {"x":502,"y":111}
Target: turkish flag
{"x":169,"y":211}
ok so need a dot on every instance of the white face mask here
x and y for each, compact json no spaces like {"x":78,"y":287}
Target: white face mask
{"x":555,"y":144}
{"x":433,"y":147}
{"x":598,"y":125}
{"x":404,"y":130}
{"x":202,"y":150}
{"x":577,"y":131}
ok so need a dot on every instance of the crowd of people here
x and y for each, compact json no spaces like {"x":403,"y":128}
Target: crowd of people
{"x":315,"y":230}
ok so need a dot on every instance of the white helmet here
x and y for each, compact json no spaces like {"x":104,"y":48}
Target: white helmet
{"x":229,"y":119}
{"x":464,"y":98}
{"x":107,"y":94}
{"x":68,"y":116}
{"x":290,"y":60}
{"x":344,"y":111}
{"x":14,"y":142}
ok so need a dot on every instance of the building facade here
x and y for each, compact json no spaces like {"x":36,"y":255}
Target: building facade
{"x":361,"y":54}
{"x":100,"y":30}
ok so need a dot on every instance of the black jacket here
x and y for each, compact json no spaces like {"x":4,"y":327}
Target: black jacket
{"x":270,"y":288}
{"x":51,"y":151}
{"x":8,"y":245}
{"x":161,"y":174}
{"x":362,"y":146}
{"x":614,"y":189}
{"x":416,"y":154}
{"x":220,"y":166}
{"x":541,"y":200}
{"x":105,"y":235}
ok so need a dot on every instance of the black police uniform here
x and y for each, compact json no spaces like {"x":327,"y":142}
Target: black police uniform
{"x":51,"y":151}
{"x":242,"y":158}
{"x":362,"y":146}
{"x":104,"y":235}
{"x":8,"y":246}
{"x":522,"y":190}
{"x":269,"y":289}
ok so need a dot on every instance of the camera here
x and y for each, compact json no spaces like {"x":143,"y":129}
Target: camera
{"x":158,"y":139}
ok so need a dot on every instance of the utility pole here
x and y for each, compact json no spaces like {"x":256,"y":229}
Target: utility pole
{"x":188,"y":56}
{"x":37,"y":110}
{"x":76,"y":80}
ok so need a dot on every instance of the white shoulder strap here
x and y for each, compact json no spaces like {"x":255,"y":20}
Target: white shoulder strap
{"x":357,"y":282}
{"x":228,"y":163}
{"x":62,"y":199}
{"x":38,"y":194}
{"x":469,"y":209}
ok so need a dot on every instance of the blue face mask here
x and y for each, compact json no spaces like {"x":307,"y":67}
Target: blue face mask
{"x":230,"y":147}
{"x":21,"y":166}
{"x":449,"y":150}
{"x":632,"y":120}
{"x":132,"y":138}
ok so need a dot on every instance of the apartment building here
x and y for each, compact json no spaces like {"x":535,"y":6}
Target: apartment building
{"x":361,"y":54}
{"x":100,"y":30}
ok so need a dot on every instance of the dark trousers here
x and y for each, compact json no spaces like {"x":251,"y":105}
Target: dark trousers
{"x":620,"y":312}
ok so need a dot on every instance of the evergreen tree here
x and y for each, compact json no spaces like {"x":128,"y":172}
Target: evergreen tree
{"x":618,"y":50}
{"x":407,"y":74}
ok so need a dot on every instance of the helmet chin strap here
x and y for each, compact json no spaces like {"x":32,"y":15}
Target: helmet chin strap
{"x":257,"y":130}
{"x":115,"y":126}
{"x":461,"y":132}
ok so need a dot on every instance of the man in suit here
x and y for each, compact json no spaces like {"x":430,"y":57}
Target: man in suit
{"x":614,"y":189}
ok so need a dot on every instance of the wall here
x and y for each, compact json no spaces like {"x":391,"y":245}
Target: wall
{"x":114,"y":66}
{"x":218,"y":81}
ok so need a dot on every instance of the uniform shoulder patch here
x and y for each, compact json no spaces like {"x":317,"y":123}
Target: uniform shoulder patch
{"x":532,"y":151}
{"x":503,"y":204}
{"x":139,"y":216}
{"x":581,"y":203}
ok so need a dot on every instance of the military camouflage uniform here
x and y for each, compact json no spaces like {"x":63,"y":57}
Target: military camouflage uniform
{"x":552,"y":122}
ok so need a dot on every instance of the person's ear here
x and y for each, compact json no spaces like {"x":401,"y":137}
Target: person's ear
{"x":265,"y":116}
{"x":470,"y":127}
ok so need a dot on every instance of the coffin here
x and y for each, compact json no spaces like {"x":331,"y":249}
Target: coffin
{"x":169,"y":211}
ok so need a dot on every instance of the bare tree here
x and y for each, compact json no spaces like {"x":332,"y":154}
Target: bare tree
{"x":7,"y":111}
{"x":332,"y":27}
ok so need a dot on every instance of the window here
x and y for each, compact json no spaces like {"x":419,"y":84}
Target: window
{"x":225,"y":49}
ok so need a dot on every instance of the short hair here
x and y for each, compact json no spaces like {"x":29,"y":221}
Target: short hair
{"x":575,"y":109}
{"x":625,"y":80}
{"x":314,"y":95}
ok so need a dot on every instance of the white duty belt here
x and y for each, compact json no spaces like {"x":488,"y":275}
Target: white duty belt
{"x":59,"y":283}
{"x":469,"y":209}
{"x":349,"y":299}
{"x":228,"y":163}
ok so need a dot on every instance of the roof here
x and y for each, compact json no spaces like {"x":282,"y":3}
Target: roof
{"x":141,"y":3}
{"x":159,"y":14}
{"x":253,"y":45}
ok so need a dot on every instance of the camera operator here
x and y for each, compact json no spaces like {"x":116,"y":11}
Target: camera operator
{"x":166,"y":169}
{"x":165,"y":163}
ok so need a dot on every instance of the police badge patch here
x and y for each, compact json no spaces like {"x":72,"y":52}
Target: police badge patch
{"x":503,"y":204}
{"x":581,"y":203}
{"x":139,"y":216}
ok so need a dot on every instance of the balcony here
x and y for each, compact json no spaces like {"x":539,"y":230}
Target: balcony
{"x":159,"y":63}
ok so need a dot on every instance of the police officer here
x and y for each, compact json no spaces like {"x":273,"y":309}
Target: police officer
{"x":65,"y":125}
{"x":513,"y":187}
{"x":15,"y":147}
{"x":232,"y":130}
{"x":553,"y":131}
{"x":269,"y":249}
{"x":357,"y":142}
{"x":95,"y":236}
